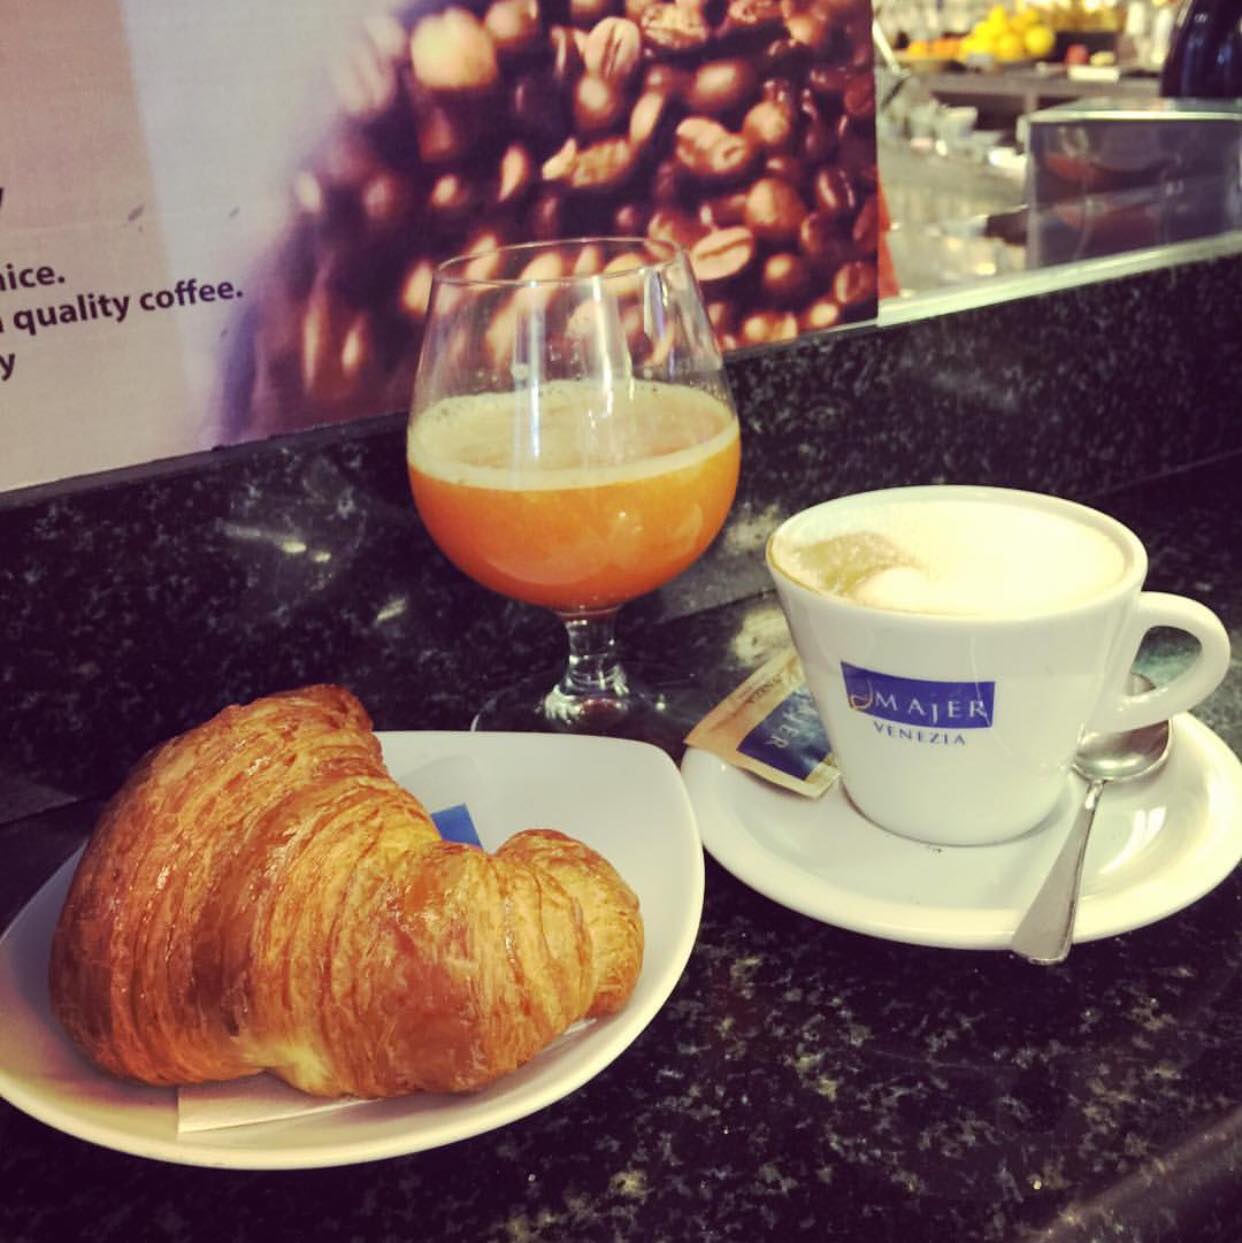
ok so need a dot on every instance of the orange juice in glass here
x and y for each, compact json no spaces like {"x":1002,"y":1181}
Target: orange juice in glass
{"x":572,"y":444}
{"x":587,"y":524}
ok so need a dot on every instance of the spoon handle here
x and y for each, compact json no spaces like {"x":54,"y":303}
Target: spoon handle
{"x":1047,"y":929}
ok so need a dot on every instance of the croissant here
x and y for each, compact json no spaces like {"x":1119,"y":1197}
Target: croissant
{"x":261,"y":895}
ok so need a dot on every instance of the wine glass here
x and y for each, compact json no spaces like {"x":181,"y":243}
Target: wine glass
{"x":572,"y":443}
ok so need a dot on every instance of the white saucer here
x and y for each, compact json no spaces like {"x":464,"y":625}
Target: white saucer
{"x":1158,"y":844}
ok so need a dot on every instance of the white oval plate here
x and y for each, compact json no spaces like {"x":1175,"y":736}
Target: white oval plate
{"x":625,"y":799}
{"x":1157,"y":845}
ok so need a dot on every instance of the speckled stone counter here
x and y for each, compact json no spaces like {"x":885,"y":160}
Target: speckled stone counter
{"x":802,"y":1081}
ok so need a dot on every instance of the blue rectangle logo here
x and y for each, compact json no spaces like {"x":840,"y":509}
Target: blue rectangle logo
{"x":918,"y":701}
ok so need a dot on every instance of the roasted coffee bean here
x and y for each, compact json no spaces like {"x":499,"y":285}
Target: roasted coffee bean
{"x":866,"y":230}
{"x":774,"y":210}
{"x":781,"y":91}
{"x":670,"y":183}
{"x":694,"y":138}
{"x":451,"y":197}
{"x":820,"y":315}
{"x":673,"y":28}
{"x":324,"y":325}
{"x":862,"y":53}
{"x":770,"y":125}
{"x":722,"y":255}
{"x":627,"y":261}
{"x":386,"y":201}
{"x":416,"y":289}
{"x":760,"y":327}
{"x":547,"y":265}
{"x":859,"y":98}
{"x":667,"y":79}
{"x":750,"y":15}
{"x":598,"y":105}
{"x":589,"y":260}
{"x":630,"y":220}
{"x":835,"y":195}
{"x":566,"y":57}
{"x":723,"y":211}
{"x":811,"y":29}
{"x":784,"y":57}
{"x":787,"y":167}
{"x":821,"y":241}
{"x":537,"y":111}
{"x":711,"y":153}
{"x":854,"y":285}
{"x":358,"y":352}
{"x":513,"y":25}
{"x":452,"y":51}
{"x":671,"y":224}
{"x":721,"y":315}
{"x":730,"y":159}
{"x":546,"y":220}
{"x":857,"y":149}
{"x":604,"y":165}
{"x":785,"y":279}
{"x":559,"y":164}
{"x":310,"y":196}
{"x":819,"y":142}
{"x":516,"y":175}
{"x":498,"y":337}
{"x":489,"y":261}
{"x":613,"y":50}
{"x":647,"y":117}
{"x":722,"y":86}
{"x":585,"y":13}
{"x":827,"y":81}
{"x":444,"y":135}
{"x":868,"y":177}
{"x":488,"y":266}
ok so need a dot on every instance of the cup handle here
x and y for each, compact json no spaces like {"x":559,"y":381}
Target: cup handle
{"x":1119,"y":710}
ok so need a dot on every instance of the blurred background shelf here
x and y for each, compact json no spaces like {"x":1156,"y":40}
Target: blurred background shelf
{"x":1015,"y":93}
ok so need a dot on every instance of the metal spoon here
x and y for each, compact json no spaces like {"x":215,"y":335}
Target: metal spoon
{"x":1047,"y":929}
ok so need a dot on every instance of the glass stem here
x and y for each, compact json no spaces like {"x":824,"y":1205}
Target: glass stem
{"x":593,"y":670}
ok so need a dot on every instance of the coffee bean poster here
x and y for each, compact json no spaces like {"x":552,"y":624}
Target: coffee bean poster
{"x":220,"y":223}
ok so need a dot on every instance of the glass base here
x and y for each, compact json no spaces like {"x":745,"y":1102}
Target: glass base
{"x":659,"y":706}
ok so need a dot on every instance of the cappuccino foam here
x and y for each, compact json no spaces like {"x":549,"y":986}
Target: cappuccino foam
{"x":956,"y":558}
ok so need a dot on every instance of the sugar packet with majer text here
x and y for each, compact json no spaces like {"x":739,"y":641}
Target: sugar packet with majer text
{"x":769,"y":726}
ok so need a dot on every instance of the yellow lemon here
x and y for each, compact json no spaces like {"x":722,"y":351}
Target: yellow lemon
{"x":1039,"y":41}
{"x":1010,"y":47}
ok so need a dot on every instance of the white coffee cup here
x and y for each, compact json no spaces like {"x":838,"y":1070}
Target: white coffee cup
{"x":956,"y":682}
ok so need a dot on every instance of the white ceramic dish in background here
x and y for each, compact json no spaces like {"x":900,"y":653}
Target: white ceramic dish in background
{"x":623,"y":798}
{"x":1157,"y":846}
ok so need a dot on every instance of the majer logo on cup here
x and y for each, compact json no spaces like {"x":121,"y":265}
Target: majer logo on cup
{"x":958,"y":641}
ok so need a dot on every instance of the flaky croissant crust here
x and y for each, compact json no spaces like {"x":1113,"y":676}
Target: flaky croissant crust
{"x":260,"y":894}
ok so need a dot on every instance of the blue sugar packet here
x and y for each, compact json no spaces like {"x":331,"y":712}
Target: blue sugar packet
{"x":455,"y":825}
{"x":769,"y":726}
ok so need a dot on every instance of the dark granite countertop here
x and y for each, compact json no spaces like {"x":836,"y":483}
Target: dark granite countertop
{"x":802,"y":1081}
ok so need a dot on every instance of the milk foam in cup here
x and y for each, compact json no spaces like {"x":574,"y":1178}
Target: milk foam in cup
{"x":959,"y":640}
